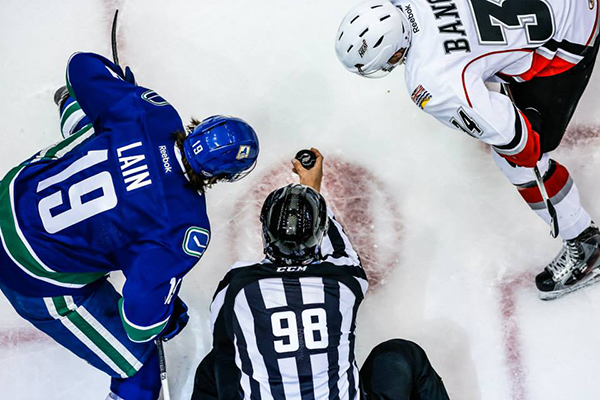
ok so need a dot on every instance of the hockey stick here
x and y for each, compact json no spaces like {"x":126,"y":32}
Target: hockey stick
{"x":540,"y":182}
{"x":164,"y":381}
{"x":551,"y":210}
{"x":113,"y":39}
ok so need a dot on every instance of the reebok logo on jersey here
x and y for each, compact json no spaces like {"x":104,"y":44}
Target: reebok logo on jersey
{"x":411,"y":18}
{"x":420,"y":97}
{"x":363,"y":48}
{"x":164,"y":154}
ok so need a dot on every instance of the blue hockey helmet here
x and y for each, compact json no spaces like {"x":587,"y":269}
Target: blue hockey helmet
{"x":222,"y":147}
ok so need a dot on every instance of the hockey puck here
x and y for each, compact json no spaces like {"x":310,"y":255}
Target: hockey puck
{"x":307,"y":158}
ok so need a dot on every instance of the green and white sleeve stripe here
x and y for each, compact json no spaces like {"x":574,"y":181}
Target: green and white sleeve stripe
{"x":58,"y":150}
{"x":71,"y":116}
{"x":93,"y":335}
{"x":137,"y":333}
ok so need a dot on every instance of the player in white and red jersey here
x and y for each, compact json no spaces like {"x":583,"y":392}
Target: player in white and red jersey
{"x":543,"y":51}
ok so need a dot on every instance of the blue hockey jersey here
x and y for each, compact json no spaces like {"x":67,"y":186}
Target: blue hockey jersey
{"x":112,"y":197}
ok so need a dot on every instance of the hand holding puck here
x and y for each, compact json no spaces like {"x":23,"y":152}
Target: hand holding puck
{"x":307,"y":158}
{"x":308,"y":165}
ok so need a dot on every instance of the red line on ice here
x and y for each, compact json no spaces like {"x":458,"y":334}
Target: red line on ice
{"x":512,"y":333}
{"x":17,"y":336}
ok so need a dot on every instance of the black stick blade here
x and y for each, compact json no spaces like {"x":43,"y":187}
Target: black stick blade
{"x":113,"y":39}
{"x":552,"y":211}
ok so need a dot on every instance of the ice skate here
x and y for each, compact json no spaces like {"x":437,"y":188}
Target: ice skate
{"x":576,"y":266}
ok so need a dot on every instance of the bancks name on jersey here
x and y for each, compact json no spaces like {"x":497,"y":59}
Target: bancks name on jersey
{"x":459,"y":45}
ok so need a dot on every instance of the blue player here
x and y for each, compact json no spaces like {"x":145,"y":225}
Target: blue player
{"x":124,"y":191}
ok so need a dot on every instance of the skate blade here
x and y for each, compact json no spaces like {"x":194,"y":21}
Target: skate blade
{"x":587,"y":281}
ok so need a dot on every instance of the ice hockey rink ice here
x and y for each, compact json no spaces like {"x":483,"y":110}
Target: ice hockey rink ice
{"x":458,"y":253}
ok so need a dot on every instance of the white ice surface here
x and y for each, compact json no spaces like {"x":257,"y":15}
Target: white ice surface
{"x":272,"y":62}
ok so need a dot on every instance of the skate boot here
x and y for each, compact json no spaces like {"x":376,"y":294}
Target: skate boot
{"x":576,"y":266}
{"x":60,"y":96}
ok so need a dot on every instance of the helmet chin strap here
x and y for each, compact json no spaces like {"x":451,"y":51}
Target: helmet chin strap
{"x":389,"y":66}
{"x":270,"y":254}
{"x":380,"y":73}
{"x":402,"y":59}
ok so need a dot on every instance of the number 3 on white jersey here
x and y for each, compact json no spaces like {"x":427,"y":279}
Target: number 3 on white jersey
{"x":79,"y":210}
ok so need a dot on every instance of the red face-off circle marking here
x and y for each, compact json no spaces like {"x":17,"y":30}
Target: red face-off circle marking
{"x":359,"y":200}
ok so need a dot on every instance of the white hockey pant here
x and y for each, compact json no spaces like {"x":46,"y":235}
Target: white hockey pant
{"x":563,"y":193}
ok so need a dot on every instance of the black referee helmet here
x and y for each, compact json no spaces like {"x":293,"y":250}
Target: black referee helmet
{"x":294,"y":220}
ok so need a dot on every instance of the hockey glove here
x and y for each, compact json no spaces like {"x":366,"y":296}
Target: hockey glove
{"x":129,"y":76}
{"x":178,"y":321}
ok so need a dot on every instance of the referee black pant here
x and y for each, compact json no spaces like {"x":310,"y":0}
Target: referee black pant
{"x":400,"y":370}
{"x":395,"y":370}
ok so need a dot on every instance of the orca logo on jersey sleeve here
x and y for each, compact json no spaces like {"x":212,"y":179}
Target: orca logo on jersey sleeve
{"x":154,"y":98}
{"x":195,"y":241}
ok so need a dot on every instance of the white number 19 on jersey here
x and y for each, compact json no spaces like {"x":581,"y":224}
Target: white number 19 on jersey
{"x":79,"y":210}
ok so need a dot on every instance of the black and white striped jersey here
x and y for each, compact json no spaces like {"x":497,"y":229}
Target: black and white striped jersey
{"x":287,"y":332}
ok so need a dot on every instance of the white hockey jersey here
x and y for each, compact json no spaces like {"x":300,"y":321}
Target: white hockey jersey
{"x":459,"y":45}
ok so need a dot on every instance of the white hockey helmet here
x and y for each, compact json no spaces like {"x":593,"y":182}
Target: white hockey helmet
{"x":370,"y":35}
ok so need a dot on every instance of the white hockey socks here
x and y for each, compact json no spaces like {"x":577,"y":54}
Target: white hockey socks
{"x":562,"y":191}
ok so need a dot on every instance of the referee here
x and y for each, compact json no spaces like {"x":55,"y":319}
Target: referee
{"x":284,"y":328}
